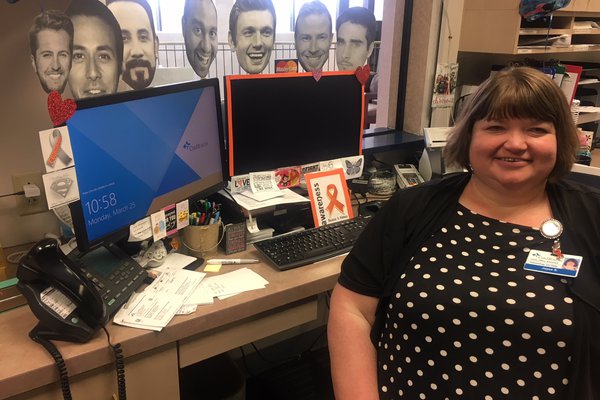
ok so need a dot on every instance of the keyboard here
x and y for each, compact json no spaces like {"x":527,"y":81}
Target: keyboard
{"x":300,"y":248}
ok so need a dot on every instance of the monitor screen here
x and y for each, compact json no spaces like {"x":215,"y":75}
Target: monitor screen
{"x":283,"y":120}
{"x":138,"y":152}
{"x":585,"y":174}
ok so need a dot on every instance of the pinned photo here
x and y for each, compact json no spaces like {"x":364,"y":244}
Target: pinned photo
{"x":56,"y":148}
{"x":170,"y":219}
{"x":61,"y":187}
{"x":353,"y":167}
{"x":141,"y":230}
{"x":331,"y":165}
{"x":287,"y":177}
{"x":159,"y":225}
{"x":183,"y":214}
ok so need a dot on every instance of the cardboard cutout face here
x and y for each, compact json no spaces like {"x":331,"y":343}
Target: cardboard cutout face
{"x":313,"y":39}
{"x":352,"y":49}
{"x":254,"y":41}
{"x":140,"y":44}
{"x":52,"y":60}
{"x":95,"y":69}
{"x":199,"y":29}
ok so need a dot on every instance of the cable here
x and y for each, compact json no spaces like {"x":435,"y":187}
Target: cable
{"x":265,"y":359}
{"x":22,"y":192}
{"x":356,"y":198}
{"x":120,"y":366}
{"x":328,"y":297}
{"x":58,"y":360}
{"x":245,"y":362}
{"x":319,"y":336}
{"x":15,"y":257}
{"x":229,"y":194}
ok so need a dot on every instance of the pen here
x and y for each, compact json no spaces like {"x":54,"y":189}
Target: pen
{"x":232,"y":261}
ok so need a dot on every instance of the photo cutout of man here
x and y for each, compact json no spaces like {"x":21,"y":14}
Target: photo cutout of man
{"x":51,"y":44}
{"x":355,"y":38}
{"x":313,"y":35}
{"x":199,"y":27}
{"x":140,"y":43}
{"x":252,"y":33}
{"x":97,"y":49}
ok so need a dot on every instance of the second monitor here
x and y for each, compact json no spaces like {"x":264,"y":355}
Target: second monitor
{"x":276,"y":121}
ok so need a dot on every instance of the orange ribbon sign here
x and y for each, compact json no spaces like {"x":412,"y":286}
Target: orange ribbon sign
{"x":55,"y":142}
{"x":332,"y":193}
{"x":57,"y":151}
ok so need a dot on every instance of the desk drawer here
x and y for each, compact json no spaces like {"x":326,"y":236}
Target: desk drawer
{"x":217,"y":341}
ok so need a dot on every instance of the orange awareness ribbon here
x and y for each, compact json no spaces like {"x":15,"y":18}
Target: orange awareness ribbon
{"x":55,"y":141}
{"x":334,"y":202}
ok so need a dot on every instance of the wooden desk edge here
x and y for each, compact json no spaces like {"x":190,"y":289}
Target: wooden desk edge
{"x":282,"y":289}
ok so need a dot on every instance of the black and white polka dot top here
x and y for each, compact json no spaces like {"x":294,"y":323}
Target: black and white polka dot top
{"x":468,"y":322}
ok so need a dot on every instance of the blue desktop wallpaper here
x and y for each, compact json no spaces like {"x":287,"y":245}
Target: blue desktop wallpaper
{"x":127,"y":154}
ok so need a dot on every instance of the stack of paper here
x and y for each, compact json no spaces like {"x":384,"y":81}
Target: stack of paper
{"x":232,"y":283}
{"x":160,"y":301}
{"x":177,"y":291}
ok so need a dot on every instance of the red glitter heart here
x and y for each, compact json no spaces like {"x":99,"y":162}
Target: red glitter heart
{"x":317,"y":74}
{"x":362,"y":74}
{"x":60,"y":110}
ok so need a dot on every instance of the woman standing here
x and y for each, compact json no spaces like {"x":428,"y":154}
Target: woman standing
{"x":455,"y":289}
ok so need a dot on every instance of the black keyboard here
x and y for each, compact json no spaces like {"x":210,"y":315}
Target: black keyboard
{"x":305,"y":247}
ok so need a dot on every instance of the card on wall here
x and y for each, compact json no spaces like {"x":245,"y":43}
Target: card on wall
{"x":56,"y":148}
{"x":61,"y":187}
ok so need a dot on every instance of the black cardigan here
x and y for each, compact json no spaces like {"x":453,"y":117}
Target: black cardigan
{"x":414,"y":214}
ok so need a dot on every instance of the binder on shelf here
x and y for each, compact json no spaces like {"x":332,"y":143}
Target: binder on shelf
{"x":570,"y":81}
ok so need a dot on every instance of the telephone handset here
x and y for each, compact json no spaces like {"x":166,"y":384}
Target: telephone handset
{"x":73,"y":296}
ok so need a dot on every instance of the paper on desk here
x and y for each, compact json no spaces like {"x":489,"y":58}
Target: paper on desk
{"x":200,"y":296}
{"x":150,"y":311}
{"x":160,"y":301}
{"x":175,"y":261}
{"x":238,"y":281}
{"x":288,"y":197}
{"x":262,"y":196}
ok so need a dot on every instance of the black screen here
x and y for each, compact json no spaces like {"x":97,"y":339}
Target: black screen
{"x":286,"y":120}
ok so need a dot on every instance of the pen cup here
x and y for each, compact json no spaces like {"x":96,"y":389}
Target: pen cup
{"x":202,"y":240}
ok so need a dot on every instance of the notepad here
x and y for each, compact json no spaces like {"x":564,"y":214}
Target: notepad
{"x":262,"y":196}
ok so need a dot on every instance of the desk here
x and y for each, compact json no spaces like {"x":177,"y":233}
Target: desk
{"x":152,"y":360}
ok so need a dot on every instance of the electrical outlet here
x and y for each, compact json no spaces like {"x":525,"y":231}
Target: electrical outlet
{"x":32,"y":205}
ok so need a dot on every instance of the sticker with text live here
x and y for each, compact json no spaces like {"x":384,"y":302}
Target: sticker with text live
{"x":329,"y":198}
{"x":548,"y":263}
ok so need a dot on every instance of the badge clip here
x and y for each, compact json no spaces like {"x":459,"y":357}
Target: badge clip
{"x":552,"y":229}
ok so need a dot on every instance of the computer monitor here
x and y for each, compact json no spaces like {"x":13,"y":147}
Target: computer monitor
{"x":140,"y":151}
{"x":585,"y":174}
{"x":283,"y":120}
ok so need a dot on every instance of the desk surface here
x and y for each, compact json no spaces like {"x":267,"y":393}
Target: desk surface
{"x":25,"y":365}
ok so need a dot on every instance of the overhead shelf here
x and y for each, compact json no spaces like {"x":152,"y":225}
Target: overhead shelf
{"x":496,"y":27}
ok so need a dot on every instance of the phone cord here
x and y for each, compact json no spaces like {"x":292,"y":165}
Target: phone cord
{"x":120,"y":367}
{"x":60,"y":364}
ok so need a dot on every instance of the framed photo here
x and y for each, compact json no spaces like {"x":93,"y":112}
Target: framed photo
{"x":329,"y":198}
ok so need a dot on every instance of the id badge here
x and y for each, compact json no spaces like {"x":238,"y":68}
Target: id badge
{"x":548,"y":263}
